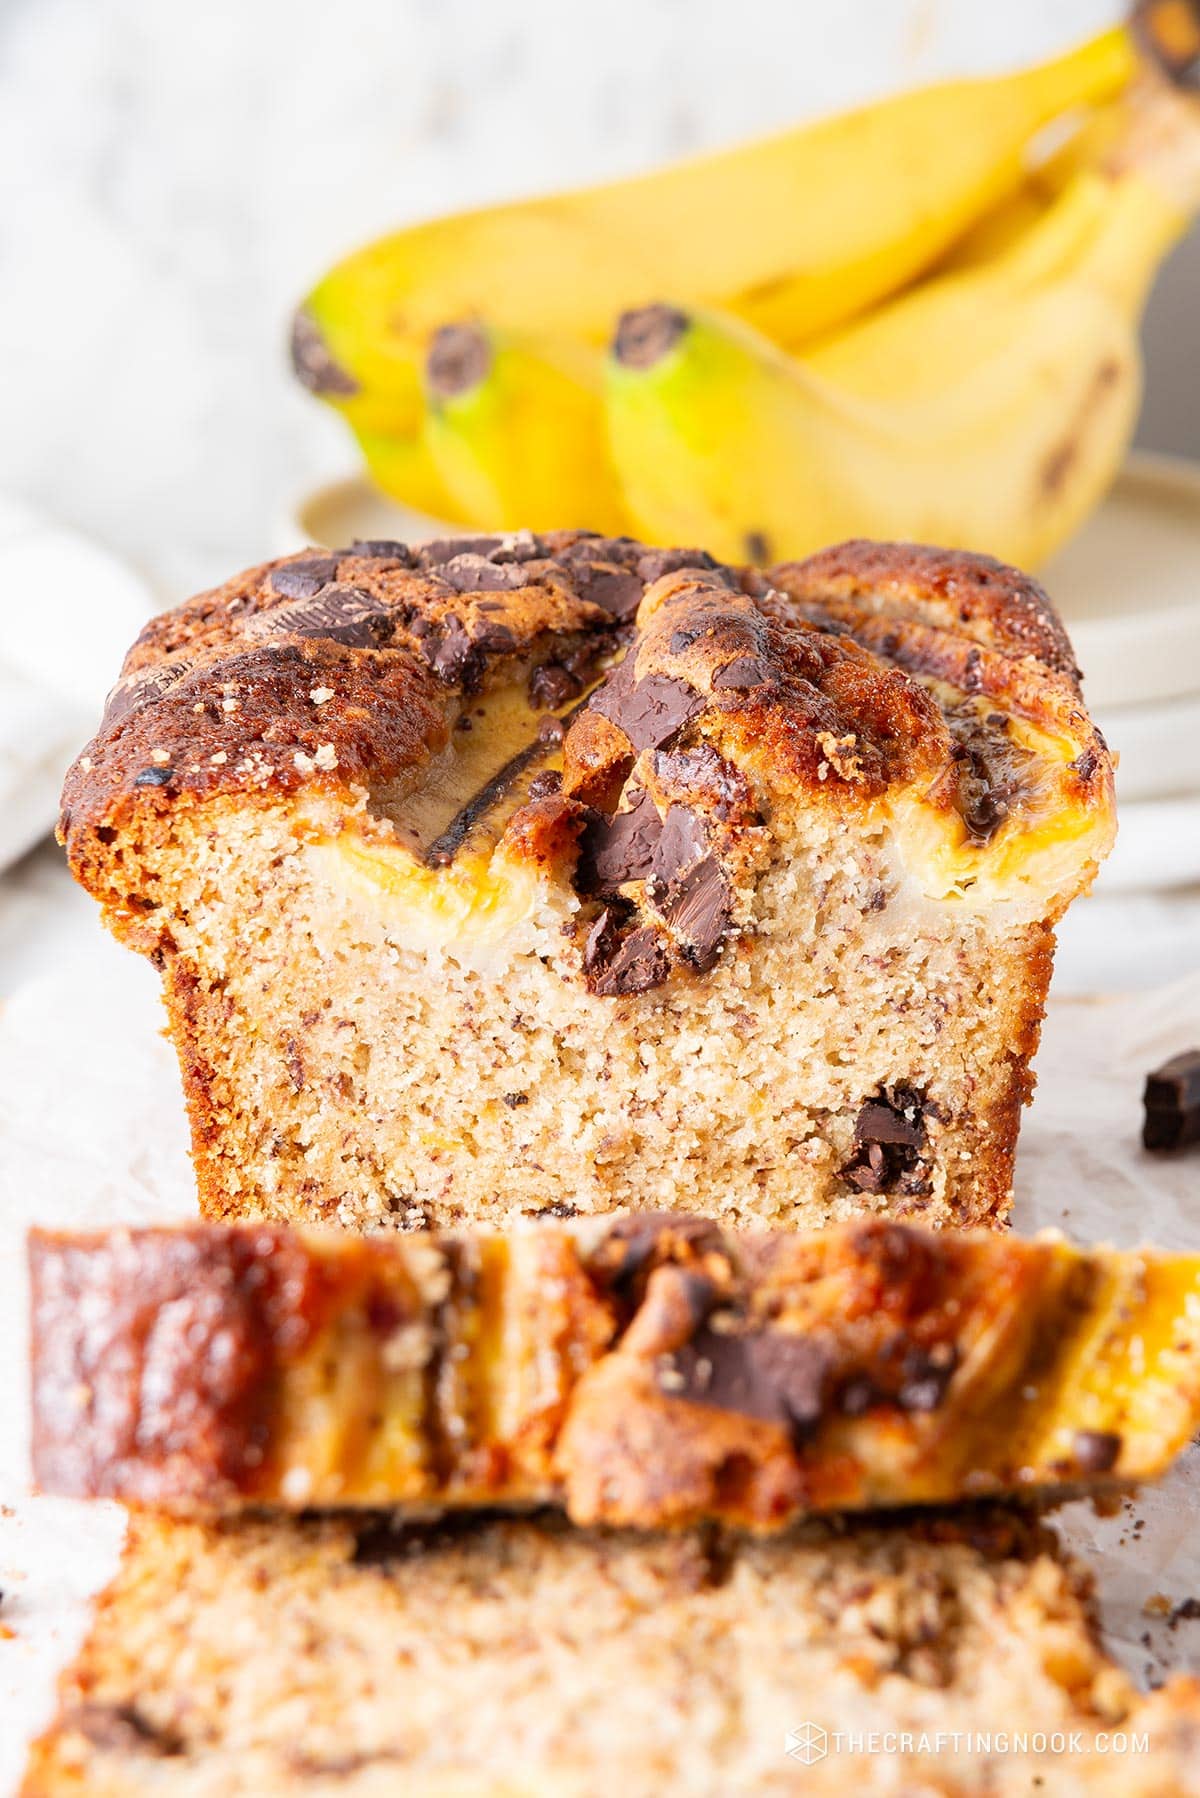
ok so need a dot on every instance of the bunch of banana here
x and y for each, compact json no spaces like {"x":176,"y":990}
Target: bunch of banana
{"x":800,"y":386}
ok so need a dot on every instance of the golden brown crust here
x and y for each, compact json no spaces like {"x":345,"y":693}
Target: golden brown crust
{"x":652,"y":1371}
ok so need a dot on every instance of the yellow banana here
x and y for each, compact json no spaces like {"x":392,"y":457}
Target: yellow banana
{"x":517,"y":435}
{"x":793,"y":233}
{"x":404,"y":468}
{"x":721,"y":439}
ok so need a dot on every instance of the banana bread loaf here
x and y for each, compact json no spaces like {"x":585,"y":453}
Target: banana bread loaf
{"x":638,"y":1371}
{"x":512,"y":874}
{"x":525,"y":1659}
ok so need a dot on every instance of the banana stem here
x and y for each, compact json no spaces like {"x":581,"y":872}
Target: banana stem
{"x":1169,"y":32}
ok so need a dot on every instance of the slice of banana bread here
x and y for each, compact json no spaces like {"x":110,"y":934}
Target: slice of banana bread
{"x":510,"y":874}
{"x":643,"y":1371}
{"x":524,"y":1659}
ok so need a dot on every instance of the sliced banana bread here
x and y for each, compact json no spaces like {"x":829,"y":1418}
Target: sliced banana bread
{"x":638,"y":1371}
{"x":512,"y":874}
{"x":525,"y":1659}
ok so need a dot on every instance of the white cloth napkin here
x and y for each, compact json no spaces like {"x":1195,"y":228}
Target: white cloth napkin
{"x":68,"y":612}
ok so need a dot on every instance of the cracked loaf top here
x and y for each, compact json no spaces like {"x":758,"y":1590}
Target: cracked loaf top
{"x":636,"y":727}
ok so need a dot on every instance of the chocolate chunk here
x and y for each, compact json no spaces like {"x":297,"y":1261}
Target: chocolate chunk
{"x":614,"y":850}
{"x":145,"y":685}
{"x":614,"y":590}
{"x":1095,"y":1451}
{"x":381,"y":549}
{"x":551,"y":685}
{"x":452,"y":653}
{"x":765,"y":1374}
{"x":889,"y":1136}
{"x":312,"y":362}
{"x":698,"y":910}
{"x":154,"y":777}
{"x":603,"y":939}
{"x":471,"y":573}
{"x":300,"y":580}
{"x":703,"y":772}
{"x":512,"y":1100}
{"x":657,"y":562}
{"x":927,"y":1375}
{"x":445,"y":549}
{"x":745,"y":671}
{"x":543,"y":785}
{"x":639,"y":962}
{"x":551,"y":730}
{"x":1172,"y":1102}
{"x":341,"y":614}
{"x":650,"y":711}
{"x":681,"y":843}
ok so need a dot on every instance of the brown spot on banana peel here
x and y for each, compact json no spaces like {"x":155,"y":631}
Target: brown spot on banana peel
{"x":644,"y":336}
{"x":313,"y":363}
{"x":1169,"y":32}
{"x":1057,"y":465}
{"x":459,"y":358}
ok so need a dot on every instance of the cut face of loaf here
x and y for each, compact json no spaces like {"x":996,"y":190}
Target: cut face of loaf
{"x":513,"y":873}
{"x":638,"y":1371}
{"x":486,"y":1660}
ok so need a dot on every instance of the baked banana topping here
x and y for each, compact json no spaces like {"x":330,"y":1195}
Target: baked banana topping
{"x":642,"y":1370}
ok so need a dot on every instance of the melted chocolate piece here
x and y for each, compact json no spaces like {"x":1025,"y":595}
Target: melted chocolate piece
{"x":617,"y":849}
{"x":342,"y":614}
{"x":656,"y":562}
{"x":1095,"y":1451}
{"x":889,"y":1136}
{"x":745,"y":671}
{"x":445,"y":549}
{"x":470,"y":573}
{"x":146,"y":684}
{"x":698,"y":909}
{"x":639,"y":962}
{"x":300,"y":580}
{"x":1172,"y":1102}
{"x":551,"y":685}
{"x":614,"y":590}
{"x":381,"y":549}
{"x":765,"y":1374}
{"x":927,"y":1376}
{"x":650,"y":711}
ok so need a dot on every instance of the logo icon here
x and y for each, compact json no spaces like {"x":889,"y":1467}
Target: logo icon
{"x":808,"y":1744}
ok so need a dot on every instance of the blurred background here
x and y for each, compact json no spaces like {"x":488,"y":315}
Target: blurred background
{"x":175,"y":178}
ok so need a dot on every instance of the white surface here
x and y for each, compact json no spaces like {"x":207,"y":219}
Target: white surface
{"x":92,"y":1132}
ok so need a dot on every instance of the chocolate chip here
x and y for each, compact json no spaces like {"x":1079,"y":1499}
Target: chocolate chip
{"x":300,"y":580}
{"x":472,"y":573}
{"x":551,"y":685}
{"x":618,"y":849}
{"x":1095,"y":1451}
{"x":927,"y":1375}
{"x":312,"y":362}
{"x":512,"y":1100}
{"x":745,"y":671}
{"x":445,"y":549}
{"x":657,"y":562}
{"x":153,"y":777}
{"x":341,"y":614}
{"x":615,"y":591}
{"x":1172,"y":1102}
{"x":639,"y":962}
{"x":681,"y":843}
{"x":698,"y":910}
{"x":889,"y":1136}
{"x":770,"y":1375}
{"x":381,"y":549}
{"x":650,"y":711}
{"x":543,"y":785}
{"x":451,"y":652}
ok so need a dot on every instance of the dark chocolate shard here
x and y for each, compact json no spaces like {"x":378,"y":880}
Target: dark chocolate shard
{"x":657,"y":562}
{"x":300,"y":580}
{"x":745,"y":671}
{"x":1095,"y":1451}
{"x":682,"y":843}
{"x":889,"y":1137}
{"x":445,"y":549}
{"x":452,"y":652}
{"x":154,"y":777}
{"x":651,"y":711}
{"x":145,"y":685}
{"x":471,"y":573}
{"x":699,"y":911}
{"x":551,"y":685}
{"x":618,"y":849}
{"x":766,"y":1374}
{"x":341,"y":614}
{"x":614,"y":590}
{"x":381,"y":549}
{"x":1172,"y":1102}
{"x":312,"y":361}
{"x":639,"y":962}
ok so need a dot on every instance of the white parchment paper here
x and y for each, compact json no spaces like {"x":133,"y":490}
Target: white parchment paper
{"x":92,"y":1133}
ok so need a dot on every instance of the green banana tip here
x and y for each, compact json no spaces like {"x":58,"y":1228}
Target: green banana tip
{"x":647,"y":334}
{"x":459,"y":358}
{"x":313,"y":362}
